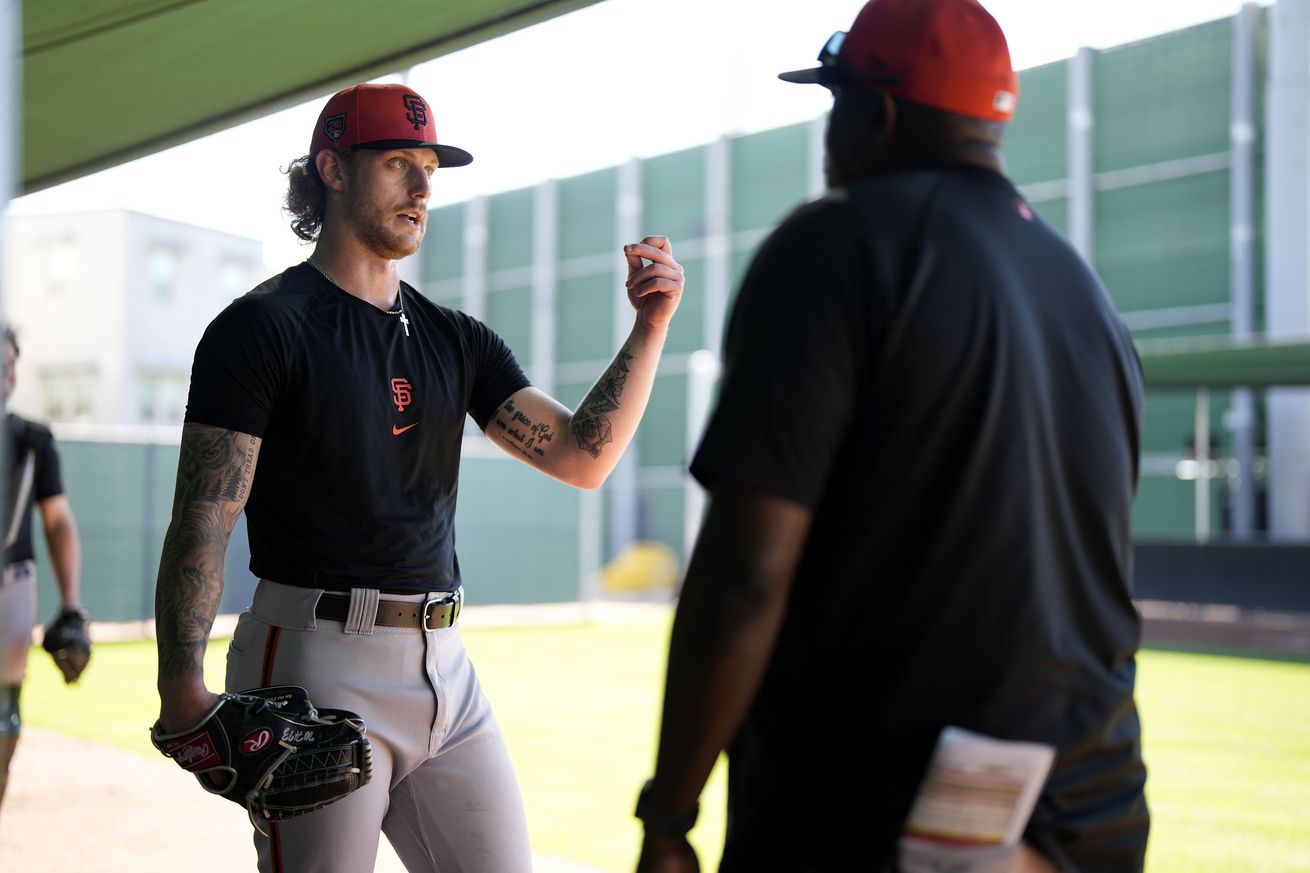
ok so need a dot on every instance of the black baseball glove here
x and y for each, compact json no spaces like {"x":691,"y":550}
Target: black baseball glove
{"x":271,"y":751}
{"x":68,"y":643}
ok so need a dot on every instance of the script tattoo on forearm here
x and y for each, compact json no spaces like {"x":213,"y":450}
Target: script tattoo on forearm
{"x":214,"y":473}
{"x":529,"y":438}
{"x":591,"y":426}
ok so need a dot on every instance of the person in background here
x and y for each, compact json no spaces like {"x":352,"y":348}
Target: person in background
{"x":32,"y":478}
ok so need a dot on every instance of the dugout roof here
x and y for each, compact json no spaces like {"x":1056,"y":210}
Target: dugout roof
{"x":107,"y":81}
{"x":1221,"y":362}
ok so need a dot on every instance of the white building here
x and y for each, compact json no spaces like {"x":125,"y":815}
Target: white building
{"x":108,"y":307}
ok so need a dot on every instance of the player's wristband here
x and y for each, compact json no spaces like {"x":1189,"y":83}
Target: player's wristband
{"x":659,"y":821}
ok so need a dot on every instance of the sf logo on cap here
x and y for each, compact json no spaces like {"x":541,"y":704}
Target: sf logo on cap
{"x":418,"y":111}
{"x":335,"y":126}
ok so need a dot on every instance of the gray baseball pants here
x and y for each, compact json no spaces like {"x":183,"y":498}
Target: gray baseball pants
{"x":443,"y":788}
{"x":17,"y":618}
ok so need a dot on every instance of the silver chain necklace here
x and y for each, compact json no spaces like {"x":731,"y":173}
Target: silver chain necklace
{"x":400,"y":297}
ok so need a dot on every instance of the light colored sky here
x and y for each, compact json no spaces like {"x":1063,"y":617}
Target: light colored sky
{"x":590,"y":89}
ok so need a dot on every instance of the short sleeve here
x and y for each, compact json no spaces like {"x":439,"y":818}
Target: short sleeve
{"x":795,"y":354}
{"x":496,"y":372}
{"x":47,"y":480}
{"x":238,"y":369}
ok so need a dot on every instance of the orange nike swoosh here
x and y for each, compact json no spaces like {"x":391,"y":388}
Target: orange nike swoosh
{"x":397,"y":431}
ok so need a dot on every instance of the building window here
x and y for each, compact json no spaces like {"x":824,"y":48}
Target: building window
{"x":232,"y":279}
{"x":161,"y":398}
{"x":60,"y":267}
{"x":68,"y":394}
{"x":161,"y":266}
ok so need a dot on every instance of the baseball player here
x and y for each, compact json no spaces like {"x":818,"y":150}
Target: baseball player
{"x":921,"y":465}
{"x":32,"y":479}
{"x":329,"y":404}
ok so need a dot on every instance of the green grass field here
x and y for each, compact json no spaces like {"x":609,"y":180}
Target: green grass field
{"x":1227,"y":740}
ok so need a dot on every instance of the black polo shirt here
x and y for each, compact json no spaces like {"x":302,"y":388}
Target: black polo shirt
{"x":360,"y":425}
{"x":926,"y":365}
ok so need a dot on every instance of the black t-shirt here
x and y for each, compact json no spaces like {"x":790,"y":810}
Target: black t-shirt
{"x":360,"y":424}
{"x":926,"y":365}
{"x":24,"y":438}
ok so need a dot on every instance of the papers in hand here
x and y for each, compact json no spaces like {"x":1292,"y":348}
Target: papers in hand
{"x":978,"y":791}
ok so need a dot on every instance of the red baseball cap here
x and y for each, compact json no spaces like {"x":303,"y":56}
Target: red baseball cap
{"x":370,"y":116}
{"x":947,"y":54}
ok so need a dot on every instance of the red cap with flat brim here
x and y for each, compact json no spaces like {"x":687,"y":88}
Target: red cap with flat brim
{"x":371,"y":116}
{"x":947,"y":54}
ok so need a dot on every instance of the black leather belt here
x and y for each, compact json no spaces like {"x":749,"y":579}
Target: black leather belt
{"x":426,"y":615}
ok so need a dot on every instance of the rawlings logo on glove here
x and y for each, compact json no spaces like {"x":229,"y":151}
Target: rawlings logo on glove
{"x":256,"y":741}
{"x":195,"y":752}
{"x":320,"y":755}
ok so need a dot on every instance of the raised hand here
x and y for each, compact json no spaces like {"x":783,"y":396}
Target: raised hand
{"x":654,"y":288}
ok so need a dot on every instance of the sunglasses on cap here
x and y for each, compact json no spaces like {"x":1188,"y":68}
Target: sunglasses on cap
{"x":834,"y":71}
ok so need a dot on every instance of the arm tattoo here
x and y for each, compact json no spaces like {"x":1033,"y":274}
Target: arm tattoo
{"x":529,"y":438}
{"x":214,"y":472}
{"x":591,"y":427}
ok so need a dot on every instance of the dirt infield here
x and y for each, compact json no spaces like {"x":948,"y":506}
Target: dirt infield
{"x":78,"y":805}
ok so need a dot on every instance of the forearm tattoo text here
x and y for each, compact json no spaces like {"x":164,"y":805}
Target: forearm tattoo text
{"x":529,"y":438}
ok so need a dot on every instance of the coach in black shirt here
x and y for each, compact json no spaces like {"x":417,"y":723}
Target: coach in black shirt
{"x":921,"y":466}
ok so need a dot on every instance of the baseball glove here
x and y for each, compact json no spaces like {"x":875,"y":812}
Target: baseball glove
{"x":68,"y":643}
{"x":271,"y":751}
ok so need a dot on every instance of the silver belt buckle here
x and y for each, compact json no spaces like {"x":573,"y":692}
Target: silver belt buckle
{"x":439,"y":605}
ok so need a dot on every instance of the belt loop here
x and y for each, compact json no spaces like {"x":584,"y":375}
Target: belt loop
{"x":363,"y":611}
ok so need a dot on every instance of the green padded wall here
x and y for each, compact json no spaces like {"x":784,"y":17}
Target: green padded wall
{"x":452,"y":298}
{"x":768,"y":176}
{"x":516,"y":534}
{"x":509,"y":313}
{"x":443,"y":244}
{"x":673,"y":195}
{"x":1170,"y":417}
{"x":1036,"y":141}
{"x":584,"y":330}
{"x":738,"y":265}
{"x":571,"y":393}
{"x":1055,"y":213}
{"x":1166,"y":508}
{"x":1165,"y":244}
{"x":509,"y":230}
{"x":662,"y":437}
{"x":587,"y":215}
{"x":687,"y":333}
{"x":661,"y":515}
{"x":121,"y":497}
{"x":1163,"y":98}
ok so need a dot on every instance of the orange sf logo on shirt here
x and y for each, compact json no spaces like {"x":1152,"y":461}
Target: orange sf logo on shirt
{"x":401,"y":393}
